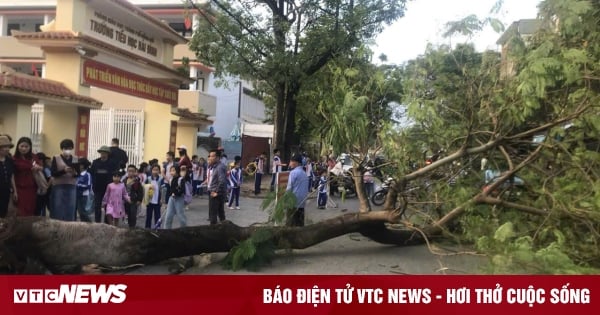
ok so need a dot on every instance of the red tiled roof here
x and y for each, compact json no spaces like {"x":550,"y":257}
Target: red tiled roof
{"x":18,"y":82}
{"x":64,"y":35}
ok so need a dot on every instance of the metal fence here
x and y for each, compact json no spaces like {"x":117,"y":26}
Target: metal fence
{"x":37,"y":124}
{"x":125,"y":124}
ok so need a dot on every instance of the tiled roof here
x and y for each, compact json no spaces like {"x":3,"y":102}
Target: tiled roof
{"x":186,"y":113}
{"x":64,"y":35}
{"x":518,"y":28}
{"x":38,"y":87}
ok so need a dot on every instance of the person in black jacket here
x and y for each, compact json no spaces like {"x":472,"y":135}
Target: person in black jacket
{"x":135,"y":190}
{"x":176,"y":203}
{"x":118,"y":155}
{"x":101,"y":171}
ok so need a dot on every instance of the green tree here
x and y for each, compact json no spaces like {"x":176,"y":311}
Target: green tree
{"x":355,"y":99}
{"x":280,"y":44}
{"x":459,"y":101}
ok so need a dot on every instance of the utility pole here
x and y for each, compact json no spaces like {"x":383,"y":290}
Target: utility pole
{"x":240,"y":100}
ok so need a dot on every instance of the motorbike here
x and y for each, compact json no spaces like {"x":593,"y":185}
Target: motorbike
{"x":511,"y":188}
{"x":378,"y":197}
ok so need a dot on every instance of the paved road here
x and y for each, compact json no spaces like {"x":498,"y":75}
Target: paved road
{"x":348,"y":254}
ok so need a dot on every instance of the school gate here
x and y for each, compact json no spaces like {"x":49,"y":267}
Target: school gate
{"x":125,"y":124}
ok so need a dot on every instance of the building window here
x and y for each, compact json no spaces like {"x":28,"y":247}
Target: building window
{"x":37,"y":27}
{"x":180,"y":28}
{"x":12,"y":26}
{"x":200,"y":84}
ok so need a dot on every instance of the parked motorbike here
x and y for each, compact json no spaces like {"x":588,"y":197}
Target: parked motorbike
{"x":378,"y":197}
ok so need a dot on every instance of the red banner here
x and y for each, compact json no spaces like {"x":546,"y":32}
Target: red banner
{"x":115,"y":79}
{"x":299,"y":294}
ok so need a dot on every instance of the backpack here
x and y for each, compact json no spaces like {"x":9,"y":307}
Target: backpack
{"x":137,"y":190}
{"x":187,"y":194}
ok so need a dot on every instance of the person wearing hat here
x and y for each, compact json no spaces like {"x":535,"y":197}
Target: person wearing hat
{"x":7,"y":179}
{"x":298,"y":185}
{"x":101,"y":171}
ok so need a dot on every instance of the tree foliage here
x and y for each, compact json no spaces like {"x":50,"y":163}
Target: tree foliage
{"x":469,"y":105}
{"x":280,"y":44}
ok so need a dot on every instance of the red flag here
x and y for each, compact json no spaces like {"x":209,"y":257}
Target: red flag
{"x":34,"y":70}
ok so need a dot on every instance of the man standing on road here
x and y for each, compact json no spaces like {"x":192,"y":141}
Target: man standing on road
{"x":217,"y":187}
{"x":297,"y":184}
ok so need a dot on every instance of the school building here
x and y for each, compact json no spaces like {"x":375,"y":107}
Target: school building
{"x":91,"y":70}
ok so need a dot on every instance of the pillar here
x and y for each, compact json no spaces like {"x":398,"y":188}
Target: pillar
{"x":193,"y":75}
{"x":3,"y":25}
{"x":23,"y":121}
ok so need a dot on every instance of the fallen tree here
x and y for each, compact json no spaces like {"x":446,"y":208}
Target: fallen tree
{"x":56,"y":243}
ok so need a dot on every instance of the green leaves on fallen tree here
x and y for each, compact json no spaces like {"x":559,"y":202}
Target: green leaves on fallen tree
{"x":253,"y":253}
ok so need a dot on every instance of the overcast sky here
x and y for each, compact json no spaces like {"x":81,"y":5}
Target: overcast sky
{"x":424,"y":22}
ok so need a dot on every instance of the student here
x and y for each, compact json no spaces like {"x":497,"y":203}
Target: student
{"x":135,"y":190}
{"x":176,"y":201}
{"x":154,"y":182}
{"x":260,"y":169}
{"x":84,"y":186}
{"x":114,"y":200}
{"x":277,"y":167}
{"x":235,"y":181}
{"x":197,"y":173}
{"x":322,"y":198}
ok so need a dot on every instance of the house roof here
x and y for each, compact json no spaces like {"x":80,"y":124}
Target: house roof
{"x":188,"y":115}
{"x":23,"y":84}
{"x":520,"y":27}
{"x":76,"y":37}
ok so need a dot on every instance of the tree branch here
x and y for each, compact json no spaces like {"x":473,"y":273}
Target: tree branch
{"x":437,"y":226}
{"x":549,"y":125}
{"x":507,"y":204}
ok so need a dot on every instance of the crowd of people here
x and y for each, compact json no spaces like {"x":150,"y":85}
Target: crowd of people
{"x":110,"y":190}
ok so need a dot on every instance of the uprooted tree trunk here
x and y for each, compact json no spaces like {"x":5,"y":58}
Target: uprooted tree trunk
{"x":57,"y":243}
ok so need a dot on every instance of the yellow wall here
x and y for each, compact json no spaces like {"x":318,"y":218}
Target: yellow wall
{"x":15,"y":120}
{"x":112,"y":99}
{"x":68,"y":14}
{"x":65,"y":67}
{"x":60,"y":122}
{"x":156,"y":130}
{"x":188,"y":136}
{"x":8,"y":119}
